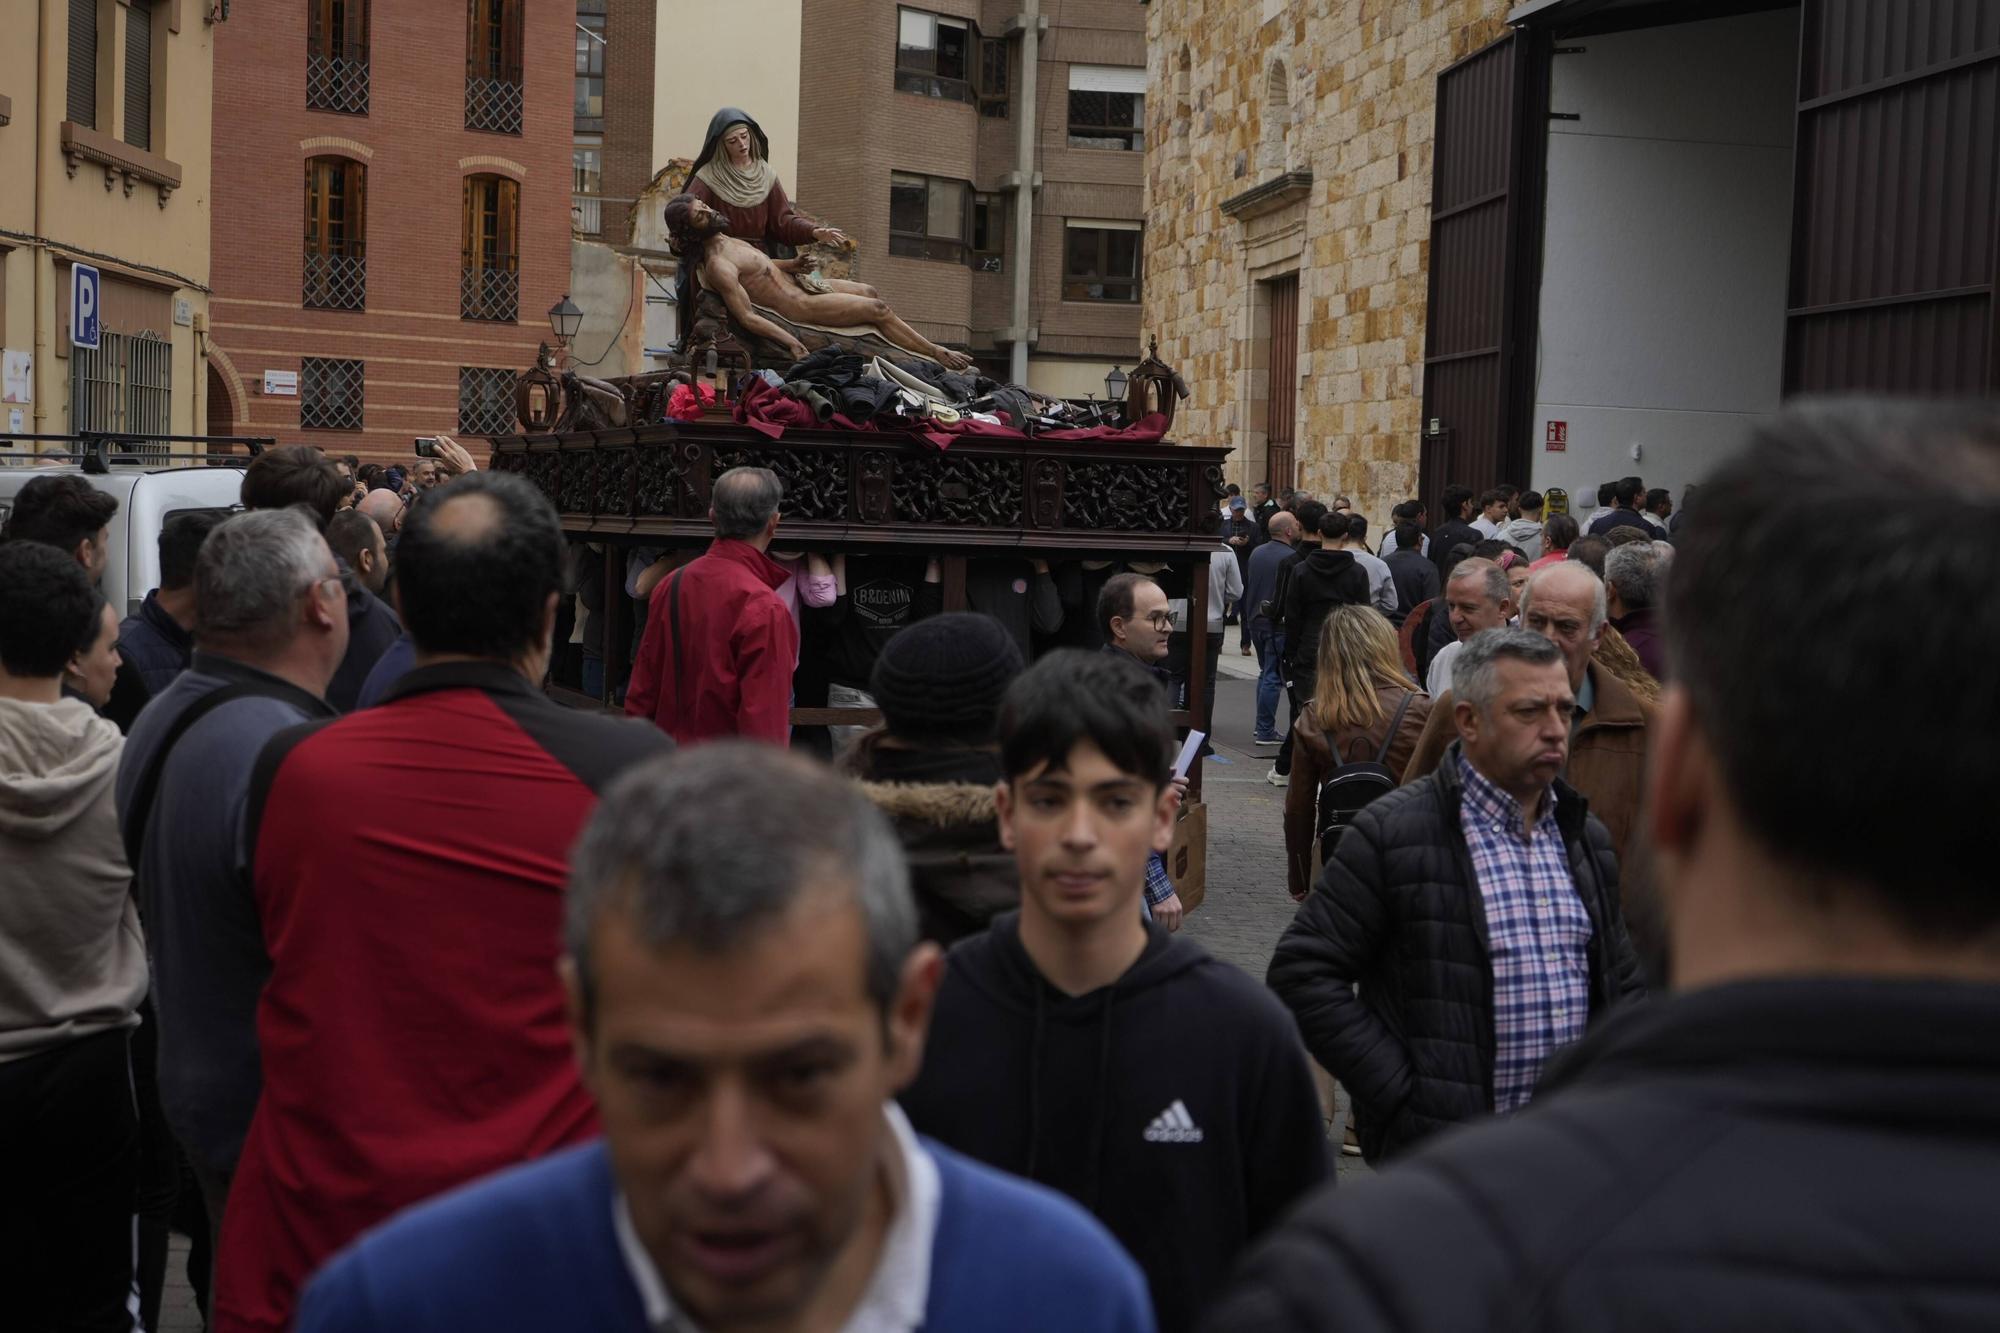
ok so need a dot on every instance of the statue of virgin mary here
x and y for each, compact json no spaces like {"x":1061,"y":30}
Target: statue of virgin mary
{"x":733,"y":176}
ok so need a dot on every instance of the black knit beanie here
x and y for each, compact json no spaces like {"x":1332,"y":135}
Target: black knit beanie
{"x":943,"y":677}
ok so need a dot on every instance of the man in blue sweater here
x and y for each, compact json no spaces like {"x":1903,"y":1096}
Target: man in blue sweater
{"x":748,"y":993}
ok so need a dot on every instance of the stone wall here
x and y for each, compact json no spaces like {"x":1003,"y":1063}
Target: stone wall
{"x":1245,"y":92}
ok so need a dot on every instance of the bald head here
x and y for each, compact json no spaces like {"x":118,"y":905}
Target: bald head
{"x":1284,"y":527}
{"x":1564,"y":603}
{"x":385,"y":507}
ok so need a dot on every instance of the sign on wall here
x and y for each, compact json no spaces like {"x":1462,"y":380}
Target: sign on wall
{"x":1558,"y":437}
{"x":17,"y":377}
{"x":86,"y":305}
{"x":282,"y":383}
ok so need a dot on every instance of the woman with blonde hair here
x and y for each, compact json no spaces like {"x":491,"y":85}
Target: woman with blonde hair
{"x":1364,"y":710}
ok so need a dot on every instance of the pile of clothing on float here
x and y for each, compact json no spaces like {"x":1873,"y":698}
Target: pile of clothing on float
{"x":843,"y":390}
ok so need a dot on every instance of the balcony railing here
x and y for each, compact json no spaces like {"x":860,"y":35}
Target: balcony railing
{"x":490,"y":292}
{"x":336,"y":281}
{"x":337,"y":83}
{"x":493,"y":104}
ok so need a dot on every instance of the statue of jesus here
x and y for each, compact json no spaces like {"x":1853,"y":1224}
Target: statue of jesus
{"x":745,"y":277}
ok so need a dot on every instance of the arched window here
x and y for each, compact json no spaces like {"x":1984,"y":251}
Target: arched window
{"x":490,"y":267}
{"x":336,"y":267}
{"x":1277,"y":117}
{"x":493,"y":66}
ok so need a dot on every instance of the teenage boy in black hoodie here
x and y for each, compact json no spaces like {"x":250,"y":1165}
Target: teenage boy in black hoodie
{"x":1079,"y":1046}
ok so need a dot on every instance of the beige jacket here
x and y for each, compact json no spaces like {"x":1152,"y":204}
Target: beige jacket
{"x":72,"y":961}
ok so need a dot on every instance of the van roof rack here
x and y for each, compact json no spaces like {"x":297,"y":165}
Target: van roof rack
{"x":97,"y":451}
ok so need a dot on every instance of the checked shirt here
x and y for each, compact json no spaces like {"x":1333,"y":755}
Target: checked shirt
{"x":1538,"y":933}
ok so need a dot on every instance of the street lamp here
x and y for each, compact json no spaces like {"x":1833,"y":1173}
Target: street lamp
{"x":565,"y":319}
{"x":1114,"y":385}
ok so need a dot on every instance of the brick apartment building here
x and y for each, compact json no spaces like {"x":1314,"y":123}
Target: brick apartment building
{"x":388,"y":231}
{"x":912,"y":122}
{"x":612,"y":153}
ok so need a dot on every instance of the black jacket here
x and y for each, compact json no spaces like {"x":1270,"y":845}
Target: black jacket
{"x":371,"y":628}
{"x":1323,"y":580}
{"x":1399,"y":911}
{"x":1416,"y":579}
{"x":1174,"y":1103}
{"x":1451,"y":534}
{"x":1769,"y":1155}
{"x":155,"y":644}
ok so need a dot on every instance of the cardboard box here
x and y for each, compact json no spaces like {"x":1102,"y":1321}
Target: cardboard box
{"x":1187,"y":856}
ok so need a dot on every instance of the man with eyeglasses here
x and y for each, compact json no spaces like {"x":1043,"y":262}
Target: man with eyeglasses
{"x":270,"y":630}
{"x":1132,"y":612}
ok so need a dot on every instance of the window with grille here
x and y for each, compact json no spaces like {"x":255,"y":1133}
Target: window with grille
{"x":485,"y":401}
{"x":337,"y":56}
{"x":493,"y":66}
{"x":336,"y":267}
{"x":589,"y":68}
{"x":329,"y":394}
{"x":139,"y":76}
{"x":1107,"y":107}
{"x":82,"y":101}
{"x":127,"y":385}
{"x":927,"y":217}
{"x":1101,"y":262}
{"x":490,"y":268}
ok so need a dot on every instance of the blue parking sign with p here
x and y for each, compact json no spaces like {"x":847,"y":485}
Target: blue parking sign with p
{"x":84,"y":306}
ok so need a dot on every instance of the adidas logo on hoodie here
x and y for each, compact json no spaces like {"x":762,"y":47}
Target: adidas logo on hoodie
{"x":1174,"y":1125}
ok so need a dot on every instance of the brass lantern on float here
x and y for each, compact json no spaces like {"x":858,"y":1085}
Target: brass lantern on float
{"x":1153,"y":386}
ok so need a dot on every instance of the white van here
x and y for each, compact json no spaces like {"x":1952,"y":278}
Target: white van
{"x":149,"y":492}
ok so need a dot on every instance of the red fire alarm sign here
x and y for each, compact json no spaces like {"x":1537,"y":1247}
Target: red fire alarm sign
{"x":1558,"y":436}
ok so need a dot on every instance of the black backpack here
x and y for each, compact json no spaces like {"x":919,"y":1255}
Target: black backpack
{"x":1353,"y":785}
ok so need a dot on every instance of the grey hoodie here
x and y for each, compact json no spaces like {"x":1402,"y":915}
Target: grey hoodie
{"x":1525,"y":533}
{"x":72,"y":961}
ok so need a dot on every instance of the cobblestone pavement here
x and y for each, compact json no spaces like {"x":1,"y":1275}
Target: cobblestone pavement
{"x":1245,"y":911}
{"x":1247,"y":907}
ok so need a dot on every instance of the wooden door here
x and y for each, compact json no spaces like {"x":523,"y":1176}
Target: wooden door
{"x":1282,"y":386}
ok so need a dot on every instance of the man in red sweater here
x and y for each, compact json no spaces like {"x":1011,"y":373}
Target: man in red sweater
{"x":411,"y":1028}
{"x":719,"y":648}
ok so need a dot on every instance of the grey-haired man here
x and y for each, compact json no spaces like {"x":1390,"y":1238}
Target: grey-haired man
{"x":1491,"y":865}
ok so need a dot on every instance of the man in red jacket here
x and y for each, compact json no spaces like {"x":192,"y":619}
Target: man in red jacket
{"x":719,"y":647}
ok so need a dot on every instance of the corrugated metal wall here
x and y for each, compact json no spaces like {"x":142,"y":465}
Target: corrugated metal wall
{"x":1896,"y":206}
{"x":1475,"y":196}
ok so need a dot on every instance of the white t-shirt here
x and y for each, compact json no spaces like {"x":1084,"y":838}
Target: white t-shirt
{"x":1439,"y":679}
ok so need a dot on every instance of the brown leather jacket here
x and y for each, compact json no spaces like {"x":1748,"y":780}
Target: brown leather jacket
{"x":1607,"y":759}
{"x":1313,"y":761}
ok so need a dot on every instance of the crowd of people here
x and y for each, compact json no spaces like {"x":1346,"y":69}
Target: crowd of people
{"x":421,"y":1001}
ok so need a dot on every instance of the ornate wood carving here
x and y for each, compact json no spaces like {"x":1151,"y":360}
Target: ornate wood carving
{"x":1045,"y":494}
{"x":1127,"y":497}
{"x":815,"y":479}
{"x":957,"y":489}
{"x":847,"y":490}
{"x":873,"y":475}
